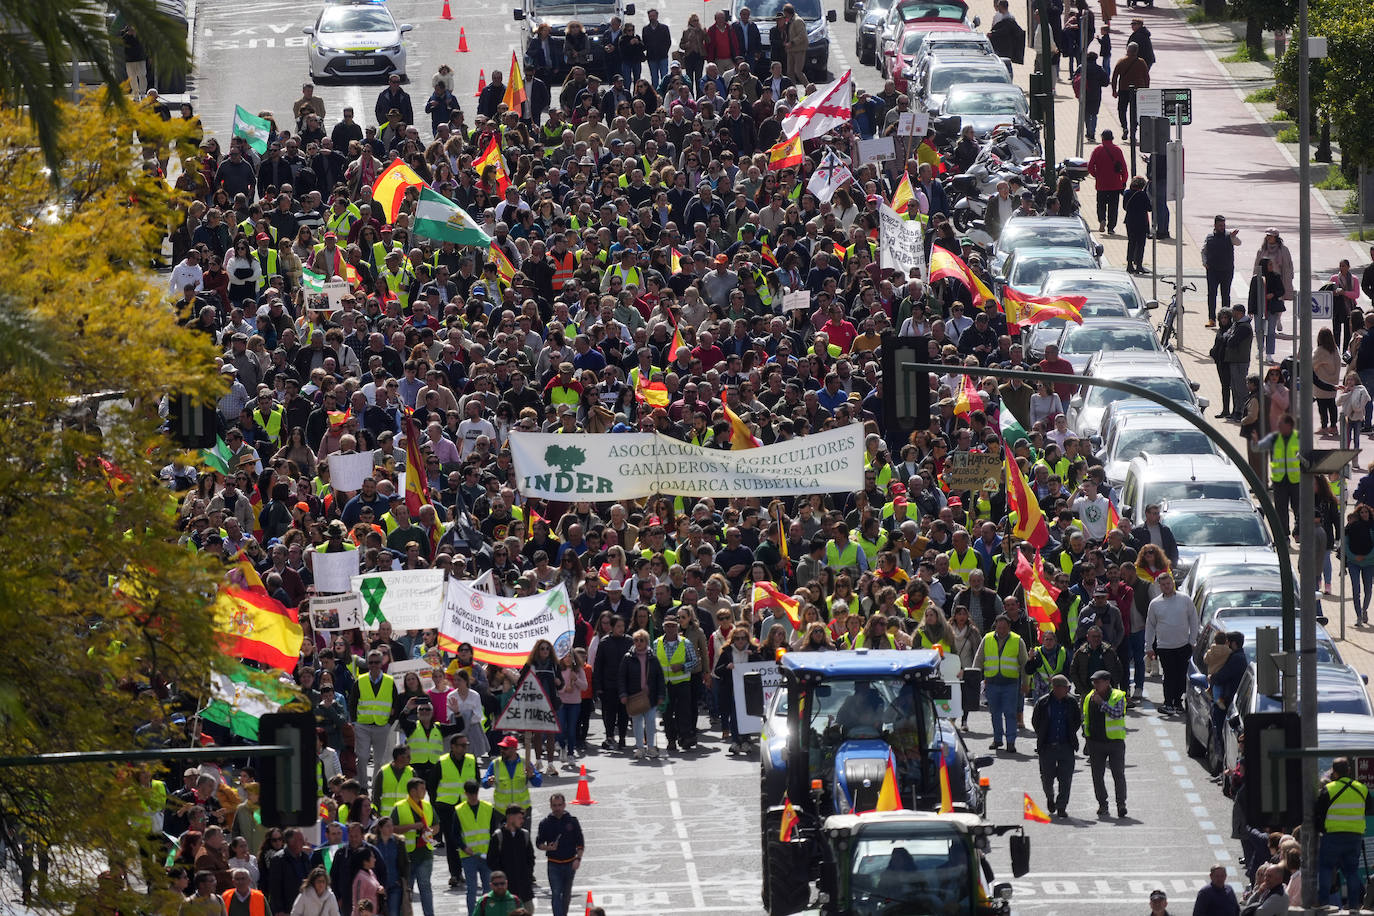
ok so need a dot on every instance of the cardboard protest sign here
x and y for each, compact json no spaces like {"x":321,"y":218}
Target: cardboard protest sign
{"x":529,"y":709}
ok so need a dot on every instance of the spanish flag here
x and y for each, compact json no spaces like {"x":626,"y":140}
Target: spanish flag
{"x":337,"y":417}
{"x":1030,"y":520}
{"x":515,"y":89}
{"x":390,"y":188}
{"x":254,"y":626}
{"x":416,"y":485}
{"x":1031,"y":811}
{"x":1113,"y":516}
{"x":946,"y":265}
{"x":789,"y":820}
{"x":675,"y":260}
{"x":766,"y":594}
{"x":969,"y":399}
{"x":676,"y":342}
{"x":946,"y":796}
{"x":902,"y":199}
{"x":889,"y":799}
{"x":242,"y":574}
{"x":1023,"y":309}
{"x":839,"y":250}
{"x":653,"y":393}
{"x":786,"y":154}
{"x":768,"y":256}
{"x":1040,"y":594}
{"x":492,"y":156}
{"x":504,"y":268}
{"x":741,"y":437}
{"x":782,"y":543}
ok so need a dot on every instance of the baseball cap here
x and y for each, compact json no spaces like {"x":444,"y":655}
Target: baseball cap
{"x":722,"y":259}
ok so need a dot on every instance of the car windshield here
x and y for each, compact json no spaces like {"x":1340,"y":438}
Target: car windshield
{"x":1347,"y":701}
{"x":913,"y":41}
{"x":1326,"y":653}
{"x":1089,"y":339}
{"x":1222,"y":601}
{"x":1174,"y":388}
{"x":843,"y":710}
{"x":1216,"y":529}
{"x":944,"y":77}
{"x":912,"y":874}
{"x":911,"y":11}
{"x":986,"y":102}
{"x":877,"y":8}
{"x":1161,"y":490}
{"x":1162,"y":442}
{"x":355,"y":19}
{"x":1033,"y":233}
{"x":772,"y":9}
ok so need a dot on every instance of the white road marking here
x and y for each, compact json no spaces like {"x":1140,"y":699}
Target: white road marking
{"x":1179,"y":770}
{"x":1193,"y":798}
{"x":1199,"y":811}
{"x":1206,"y":825}
{"x":1171,"y":756}
{"x":1165,"y":742}
{"x":1185,"y":783}
{"x":689,"y":861}
{"x":1215,"y":839}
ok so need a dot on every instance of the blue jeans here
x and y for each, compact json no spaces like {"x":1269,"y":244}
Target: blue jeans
{"x":393,"y":900}
{"x":1361,"y":585}
{"x":568,"y":714}
{"x":560,"y":886}
{"x":1271,"y":330}
{"x":1004,"y":701}
{"x":643,"y":728}
{"x":1134,"y":659}
{"x":420,"y":870}
{"x":658,"y":69}
{"x":1340,"y":851}
{"x":475,"y":870}
{"x":631,"y":72}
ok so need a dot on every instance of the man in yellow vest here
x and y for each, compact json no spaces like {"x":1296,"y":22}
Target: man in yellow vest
{"x":426,"y":745}
{"x":1002,"y":657}
{"x":414,"y":819}
{"x":963,"y":559}
{"x":373,"y":699}
{"x":677,"y":657}
{"x":843,"y":553}
{"x":389,"y":788}
{"x":456,"y":769}
{"x":1104,"y":733}
{"x":511,"y":776}
{"x":474,"y":822}
{"x":1342,"y":805}
{"x":1284,"y":469}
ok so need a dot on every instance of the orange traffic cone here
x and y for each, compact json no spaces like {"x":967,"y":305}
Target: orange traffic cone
{"x":584,"y":789}
{"x":462,"y":39}
{"x":589,"y":904}
{"x":481,"y":82}
{"x":446,"y":14}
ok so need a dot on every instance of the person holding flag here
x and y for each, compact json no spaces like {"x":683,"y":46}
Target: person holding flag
{"x":1056,"y":720}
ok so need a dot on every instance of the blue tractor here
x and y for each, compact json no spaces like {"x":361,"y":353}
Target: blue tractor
{"x":833,"y":727}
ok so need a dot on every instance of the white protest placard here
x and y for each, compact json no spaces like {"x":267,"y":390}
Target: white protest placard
{"x":771,"y":676}
{"x":899,"y":242}
{"x":913,"y":123}
{"x":399,"y":669}
{"x":411,"y":599}
{"x":346,"y":472}
{"x":529,"y":709}
{"x":334,"y":572}
{"x":336,"y":612}
{"x":797,"y":301}
{"x":502,"y":631}
{"x":336,"y":290}
{"x":878,"y":149}
{"x":606,"y":466}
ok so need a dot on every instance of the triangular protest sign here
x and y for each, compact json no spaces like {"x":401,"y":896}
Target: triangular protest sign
{"x":529,"y":709}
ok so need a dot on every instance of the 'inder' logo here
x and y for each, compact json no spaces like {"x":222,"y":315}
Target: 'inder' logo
{"x":567,"y":480}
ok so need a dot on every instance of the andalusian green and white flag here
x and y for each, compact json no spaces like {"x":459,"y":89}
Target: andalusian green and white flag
{"x":241,"y":697}
{"x":217,"y":458}
{"x":312,"y":282}
{"x":439,"y":218}
{"x":252,"y":128}
{"x":1012,"y":431}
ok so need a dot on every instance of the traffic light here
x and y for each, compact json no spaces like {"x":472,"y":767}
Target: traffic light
{"x":290,"y":786}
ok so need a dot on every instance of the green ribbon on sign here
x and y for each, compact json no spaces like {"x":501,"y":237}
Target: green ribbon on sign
{"x":372,"y":589}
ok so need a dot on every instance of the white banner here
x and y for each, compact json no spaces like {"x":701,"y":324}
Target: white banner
{"x":346,"y":472}
{"x":529,"y":708}
{"x":796,"y":301}
{"x":879,"y":149}
{"x":611,"y":466}
{"x":504,"y":630}
{"x":771,"y":675}
{"x":411,"y":599}
{"x":336,"y":612}
{"x":899,"y":242}
{"x":334,"y":572}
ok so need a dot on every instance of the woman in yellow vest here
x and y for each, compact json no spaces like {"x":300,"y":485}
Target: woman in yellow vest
{"x":933,"y":631}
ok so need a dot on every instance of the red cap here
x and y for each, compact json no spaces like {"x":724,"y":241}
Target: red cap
{"x":387,"y":227}
{"x":264,"y":237}
{"x":955,"y":501}
{"x":330,"y":235}
{"x":899,"y":501}
{"x":508,"y":741}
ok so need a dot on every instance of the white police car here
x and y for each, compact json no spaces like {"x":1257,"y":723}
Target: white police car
{"x":356,"y":38}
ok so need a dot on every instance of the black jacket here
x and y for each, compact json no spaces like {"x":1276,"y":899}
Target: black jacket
{"x":630,"y":681}
{"x":513,"y":853}
{"x":400,"y":100}
{"x":1219,"y":255}
{"x":658,"y":40}
{"x":285,"y":873}
{"x":1140,"y":536}
{"x":725,"y":676}
{"x":1040,"y":719}
{"x":606,"y":672}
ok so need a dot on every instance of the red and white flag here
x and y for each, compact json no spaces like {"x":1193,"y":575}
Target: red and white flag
{"x":822,"y":111}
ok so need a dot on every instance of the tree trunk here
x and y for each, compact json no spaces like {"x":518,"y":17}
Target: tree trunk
{"x":1214,"y":9}
{"x":1254,"y":38}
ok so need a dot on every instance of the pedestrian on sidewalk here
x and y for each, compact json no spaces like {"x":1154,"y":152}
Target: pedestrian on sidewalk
{"x":1140,"y":37}
{"x":1326,"y":377}
{"x":1240,"y":339}
{"x":1217,"y":353}
{"x":1266,"y":303}
{"x":1367,"y":279}
{"x":1129,"y":74}
{"x":1359,"y":554}
{"x":1056,"y":720}
{"x":1136,"y":202}
{"x":1107,"y":166}
{"x":1280,"y":259}
{"x":1347,"y":294}
{"x":1104,"y":44}
{"x":1219,"y":261}
{"x":1284,"y":470}
{"x":1104,"y":733}
{"x":1092,"y":80}
{"x":1352,"y":399}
